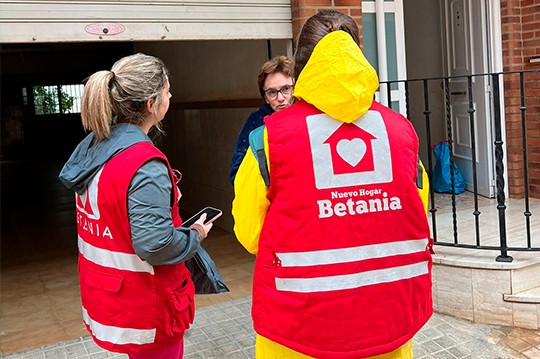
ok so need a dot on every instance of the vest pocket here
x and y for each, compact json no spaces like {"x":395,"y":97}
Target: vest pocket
{"x":181,"y":307}
{"x":104,"y":301}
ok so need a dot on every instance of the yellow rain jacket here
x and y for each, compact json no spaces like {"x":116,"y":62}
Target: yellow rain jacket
{"x":339,"y":81}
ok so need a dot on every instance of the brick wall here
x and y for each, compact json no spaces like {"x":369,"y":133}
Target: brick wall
{"x":521,"y":42}
{"x":303,"y":9}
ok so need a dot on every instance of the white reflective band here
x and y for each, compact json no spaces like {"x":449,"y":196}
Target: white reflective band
{"x":118,"y":260}
{"x":350,"y":281}
{"x":344,"y":255}
{"x":117,"y":335}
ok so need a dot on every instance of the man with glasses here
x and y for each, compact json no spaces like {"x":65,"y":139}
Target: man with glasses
{"x":276,"y":86}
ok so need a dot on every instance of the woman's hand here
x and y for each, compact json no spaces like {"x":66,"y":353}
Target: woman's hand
{"x":201,"y":228}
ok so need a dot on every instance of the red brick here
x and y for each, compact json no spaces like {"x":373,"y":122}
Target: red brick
{"x":510,"y":11}
{"x":351,"y":3}
{"x":516,"y":182}
{"x":511,"y":36}
{"x":527,"y":35}
{"x":514,"y":3}
{"x":511,"y":19}
{"x":510,"y":27}
{"x":530,"y":10}
{"x":534,"y":142}
{"x":356,"y":12}
{"x":527,"y":19}
{"x":302,"y":3}
{"x":533,"y":133}
{"x":529,"y":27}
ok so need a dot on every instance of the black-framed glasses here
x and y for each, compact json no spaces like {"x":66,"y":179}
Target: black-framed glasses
{"x":285,"y":90}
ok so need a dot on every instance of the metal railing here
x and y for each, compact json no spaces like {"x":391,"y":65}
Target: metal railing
{"x":495,"y":120}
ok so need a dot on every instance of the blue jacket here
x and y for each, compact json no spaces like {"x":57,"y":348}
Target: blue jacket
{"x":256,"y":119}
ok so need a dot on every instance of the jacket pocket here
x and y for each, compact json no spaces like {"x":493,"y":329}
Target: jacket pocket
{"x":181,"y":307}
{"x":101,"y":296}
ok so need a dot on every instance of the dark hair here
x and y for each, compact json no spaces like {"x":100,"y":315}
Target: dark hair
{"x":317,"y":27}
{"x":277,"y":64}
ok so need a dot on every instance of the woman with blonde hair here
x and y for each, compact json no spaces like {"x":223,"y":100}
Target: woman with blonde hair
{"x":136,"y":292}
{"x":337,"y":218}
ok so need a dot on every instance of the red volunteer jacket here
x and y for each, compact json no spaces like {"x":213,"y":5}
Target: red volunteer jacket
{"x":344,"y":267}
{"x":129,"y":306}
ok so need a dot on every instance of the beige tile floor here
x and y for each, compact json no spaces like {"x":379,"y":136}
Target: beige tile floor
{"x":515,"y":222}
{"x":39,"y":295}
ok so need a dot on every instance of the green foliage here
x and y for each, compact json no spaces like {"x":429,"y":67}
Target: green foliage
{"x":46,"y":100}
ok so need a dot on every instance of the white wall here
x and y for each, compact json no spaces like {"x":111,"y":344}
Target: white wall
{"x":214,"y":88}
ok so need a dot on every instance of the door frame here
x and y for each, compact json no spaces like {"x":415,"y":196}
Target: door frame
{"x":492,"y":62}
{"x":380,"y":8}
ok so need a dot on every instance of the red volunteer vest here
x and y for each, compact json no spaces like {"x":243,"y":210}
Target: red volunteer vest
{"x":129,"y":306}
{"x":344,"y":267}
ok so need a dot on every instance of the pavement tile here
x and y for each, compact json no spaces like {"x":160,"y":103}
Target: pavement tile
{"x":518,"y":344}
{"x":445,"y":342}
{"x":532,"y":353}
{"x":225,"y":331}
{"x":458,"y":352}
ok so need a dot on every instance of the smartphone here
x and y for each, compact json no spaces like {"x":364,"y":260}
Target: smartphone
{"x":211,"y":215}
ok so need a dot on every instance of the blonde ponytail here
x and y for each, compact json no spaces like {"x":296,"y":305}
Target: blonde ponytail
{"x":96,"y":107}
{"x":120,"y":95}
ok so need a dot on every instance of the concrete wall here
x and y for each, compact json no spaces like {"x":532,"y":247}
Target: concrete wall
{"x":424,"y":52}
{"x":214,"y":88}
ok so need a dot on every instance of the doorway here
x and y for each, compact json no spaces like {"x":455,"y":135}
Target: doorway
{"x":466,"y":47}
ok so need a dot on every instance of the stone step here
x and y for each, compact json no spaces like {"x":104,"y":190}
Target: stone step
{"x":526,"y":278}
{"x":526,"y":296}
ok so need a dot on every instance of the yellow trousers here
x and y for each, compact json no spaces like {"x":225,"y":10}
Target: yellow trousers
{"x":267,"y":349}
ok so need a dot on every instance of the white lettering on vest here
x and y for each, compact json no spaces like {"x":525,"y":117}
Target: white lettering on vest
{"x":350,"y":207}
{"x":87,"y":225}
{"x":325,"y":209}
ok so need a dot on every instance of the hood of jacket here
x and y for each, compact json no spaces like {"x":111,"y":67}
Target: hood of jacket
{"x":90,"y":155}
{"x":338,"y":79}
{"x":266,"y":109}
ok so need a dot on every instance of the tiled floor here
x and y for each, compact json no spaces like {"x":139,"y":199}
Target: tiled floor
{"x":40,"y":301}
{"x":225,"y":331}
{"x":515,"y":222}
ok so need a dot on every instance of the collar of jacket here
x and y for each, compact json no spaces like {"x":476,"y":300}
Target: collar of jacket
{"x":338,"y":79}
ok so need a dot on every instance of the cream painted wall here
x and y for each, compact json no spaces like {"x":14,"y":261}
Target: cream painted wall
{"x":424,"y":51}
{"x":200,"y":141}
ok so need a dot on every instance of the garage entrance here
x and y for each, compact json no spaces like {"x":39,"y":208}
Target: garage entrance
{"x":214,"y":90}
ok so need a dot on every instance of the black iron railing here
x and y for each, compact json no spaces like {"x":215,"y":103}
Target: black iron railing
{"x":495,"y":119}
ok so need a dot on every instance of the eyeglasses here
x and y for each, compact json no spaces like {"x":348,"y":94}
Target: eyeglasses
{"x":286,"y":90}
{"x":177,"y":175}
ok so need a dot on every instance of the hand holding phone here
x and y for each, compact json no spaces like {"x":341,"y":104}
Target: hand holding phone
{"x":206,"y":227}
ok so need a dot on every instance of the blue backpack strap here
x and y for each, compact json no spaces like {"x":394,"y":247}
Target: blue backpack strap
{"x":256,"y":143}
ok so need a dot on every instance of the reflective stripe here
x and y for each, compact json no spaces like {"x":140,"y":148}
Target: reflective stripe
{"x":118,"y":260}
{"x":117,"y":335}
{"x":344,"y":255}
{"x":350,"y":281}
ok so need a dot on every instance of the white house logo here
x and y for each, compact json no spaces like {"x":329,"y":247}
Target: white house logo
{"x":344,"y":153}
{"x":87,"y":203}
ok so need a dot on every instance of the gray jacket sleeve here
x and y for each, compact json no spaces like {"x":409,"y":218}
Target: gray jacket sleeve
{"x":154,"y":237}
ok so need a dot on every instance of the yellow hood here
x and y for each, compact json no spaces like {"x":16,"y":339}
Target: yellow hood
{"x":338,"y":79}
